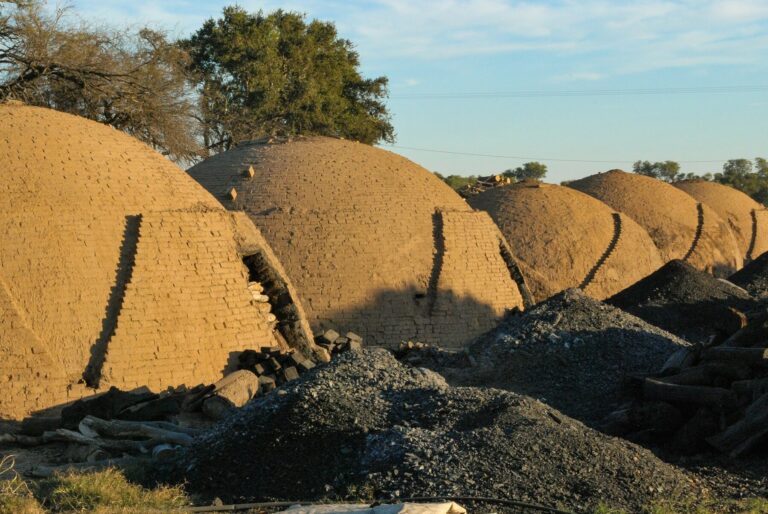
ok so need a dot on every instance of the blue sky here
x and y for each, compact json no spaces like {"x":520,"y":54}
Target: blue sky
{"x":433,"y":49}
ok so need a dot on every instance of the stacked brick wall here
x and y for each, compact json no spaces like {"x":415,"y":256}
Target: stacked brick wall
{"x":475,"y":288}
{"x":353,"y":226}
{"x":187,"y":307}
{"x":29,"y":376}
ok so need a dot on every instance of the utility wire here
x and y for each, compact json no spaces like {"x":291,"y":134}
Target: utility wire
{"x":551,"y":159}
{"x":585,"y":92}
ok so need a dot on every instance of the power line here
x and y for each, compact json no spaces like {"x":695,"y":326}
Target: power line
{"x":586,"y":92}
{"x":550,"y":159}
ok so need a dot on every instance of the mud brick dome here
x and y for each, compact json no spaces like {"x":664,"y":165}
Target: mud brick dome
{"x":747,"y":219}
{"x":373,"y":243}
{"x":681,"y":227}
{"x":116,"y":268}
{"x":565,"y":238}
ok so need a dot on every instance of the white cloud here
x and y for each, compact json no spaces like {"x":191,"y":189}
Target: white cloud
{"x":622,"y":36}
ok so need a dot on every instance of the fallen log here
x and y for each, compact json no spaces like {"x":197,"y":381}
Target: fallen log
{"x":715,"y":397}
{"x":681,"y":359}
{"x":705,"y":374}
{"x":748,"y":356}
{"x":751,"y":388}
{"x":745,"y":434}
{"x":119,"y":428}
{"x":70,"y":436}
{"x":49,"y":471}
{"x":21,"y":440}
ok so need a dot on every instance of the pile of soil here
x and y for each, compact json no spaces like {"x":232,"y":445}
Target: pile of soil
{"x":572,"y":352}
{"x":367,"y":426}
{"x":753,"y":277}
{"x":689,"y":303}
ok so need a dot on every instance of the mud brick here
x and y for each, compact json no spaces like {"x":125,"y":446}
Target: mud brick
{"x":305,"y":365}
{"x":273,"y":364}
{"x":355,"y":346}
{"x":267,"y":383}
{"x":293,"y":359}
{"x":353,"y":337}
{"x":270,"y":350}
{"x":290,"y":373}
{"x":329,"y":337}
{"x":342,"y":344}
{"x":260,"y":369}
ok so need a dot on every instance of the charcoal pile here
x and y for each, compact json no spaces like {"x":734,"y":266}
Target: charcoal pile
{"x":707,"y":395}
{"x":687,"y":302}
{"x":366,"y":425}
{"x":483,"y":184}
{"x":753,"y":277}
{"x":572,"y":352}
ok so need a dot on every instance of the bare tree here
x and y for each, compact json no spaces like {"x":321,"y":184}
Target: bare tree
{"x":133,"y":80}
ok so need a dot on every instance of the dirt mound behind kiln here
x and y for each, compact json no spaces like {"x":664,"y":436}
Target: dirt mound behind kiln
{"x":374,"y":243}
{"x":753,"y":277}
{"x":685,"y":301}
{"x":681,"y":228}
{"x":569,"y":239}
{"x":571,"y":351}
{"x":367,"y":424}
{"x":747,"y":219}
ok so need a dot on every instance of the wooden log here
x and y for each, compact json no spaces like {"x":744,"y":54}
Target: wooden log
{"x":745,"y":434}
{"x":231,"y":392}
{"x":715,"y":397}
{"x":755,"y":331}
{"x":747,"y":356}
{"x":119,"y":428}
{"x":705,"y":374}
{"x":681,"y":359}
{"x":21,"y":440}
{"x":752,"y":389}
{"x":70,"y":436}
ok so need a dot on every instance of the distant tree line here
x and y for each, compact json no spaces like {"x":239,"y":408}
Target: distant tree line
{"x":240,"y":77}
{"x":746,"y":175}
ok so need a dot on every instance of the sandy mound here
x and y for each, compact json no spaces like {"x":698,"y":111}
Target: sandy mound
{"x":685,"y":301}
{"x":367,"y":424}
{"x":681,"y":228}
{"x":747,"y":219}
{"x":374,"y":243}
{"x":569,"y":238}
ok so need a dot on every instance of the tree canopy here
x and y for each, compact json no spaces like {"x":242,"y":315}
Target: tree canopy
{"x":278,"y":75}
{"x":530,"y":170}
{"x":132,"y":80}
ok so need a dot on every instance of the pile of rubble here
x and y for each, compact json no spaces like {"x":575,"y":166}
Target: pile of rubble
{"x":689,"y":303}
{"x":712,"y":395}
{"x":483,"y":184}
{"x":334,"y":343}
{"x":367,"y":426}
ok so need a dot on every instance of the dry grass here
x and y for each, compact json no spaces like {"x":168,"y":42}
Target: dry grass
{"x":105,"y":492}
